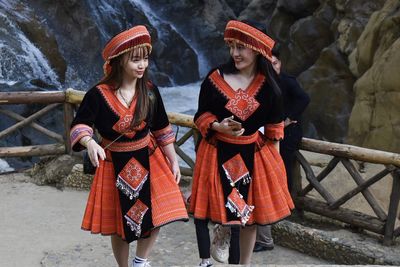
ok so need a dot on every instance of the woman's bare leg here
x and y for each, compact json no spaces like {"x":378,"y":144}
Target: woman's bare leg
{"x":121,"y":250}
{"x":247,"y":239}
{"x":145,"y":245}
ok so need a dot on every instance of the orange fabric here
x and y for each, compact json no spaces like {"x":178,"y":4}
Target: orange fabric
{"x":103,"y":212}
{"x":203,"y":122}
{"x":274,"y":131}
{"x":249,"y":37}
{"x":125,"y":41}
{"x":268,"y":191}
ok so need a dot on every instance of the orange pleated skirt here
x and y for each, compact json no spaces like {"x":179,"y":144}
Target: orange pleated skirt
{"x":103,"y":211}
{"x":268,"y":191}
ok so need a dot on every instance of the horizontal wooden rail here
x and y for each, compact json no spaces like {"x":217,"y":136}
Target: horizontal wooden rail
{"x":34,"y":97}
{"x":32,"y":151}
{"x":348,"y":151}
{"x":342,"y":214}
{"x":73,"y":96}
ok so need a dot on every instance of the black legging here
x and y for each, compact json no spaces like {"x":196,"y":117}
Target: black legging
{"x":203,"y":241}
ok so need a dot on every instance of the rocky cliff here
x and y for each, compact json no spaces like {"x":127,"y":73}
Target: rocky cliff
{"x":344,"y":53}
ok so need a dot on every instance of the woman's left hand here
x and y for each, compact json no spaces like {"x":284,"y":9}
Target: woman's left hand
{"x":176,"y":171}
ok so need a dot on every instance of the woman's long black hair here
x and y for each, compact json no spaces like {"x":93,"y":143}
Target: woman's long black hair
{"x":263,"y":65}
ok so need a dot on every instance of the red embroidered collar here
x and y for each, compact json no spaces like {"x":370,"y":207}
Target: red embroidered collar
{"x":125,"y":114}
{"x":241,"y":102}
{"x":113,"y":102}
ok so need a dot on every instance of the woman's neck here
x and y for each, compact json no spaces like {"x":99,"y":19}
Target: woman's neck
{"x":128,"y":84}
{"x":248,"y":72}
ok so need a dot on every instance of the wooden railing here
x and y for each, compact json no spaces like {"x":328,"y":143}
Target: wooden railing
{"x":383,"y":223}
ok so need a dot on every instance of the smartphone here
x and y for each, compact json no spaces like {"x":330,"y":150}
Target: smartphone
{"x":235,"y":124}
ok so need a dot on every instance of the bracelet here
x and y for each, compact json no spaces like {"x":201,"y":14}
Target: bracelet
{"x":87,"y":141}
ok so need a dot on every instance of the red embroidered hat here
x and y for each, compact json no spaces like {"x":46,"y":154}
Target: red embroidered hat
{"x":250,"y":37}
{"x":125,"y":41}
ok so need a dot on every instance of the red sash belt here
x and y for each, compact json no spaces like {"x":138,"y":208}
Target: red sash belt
{"x":126,"y":146}
{"x":239,"y":140}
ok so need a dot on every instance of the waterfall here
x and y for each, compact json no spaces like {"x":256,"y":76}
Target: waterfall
{"x":102,"y":11}
{"x":20,"y":59}
{"x":203,"y":66}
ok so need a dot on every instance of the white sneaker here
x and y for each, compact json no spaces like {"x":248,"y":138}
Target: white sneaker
{"x":220,"y":244}
{"x":206,"y":264}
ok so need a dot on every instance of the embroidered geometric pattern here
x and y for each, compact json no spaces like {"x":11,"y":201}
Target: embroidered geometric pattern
{"x":237,"y":205}
{"x":249,"y":37}
{"x":79,"y":131}
{"x":236,"y":170}
{"x":126,"y":146}
{"x":240,"y":102}
{"x":242,"y":105}
{"x":124,"y":123}
{"x":132,"y":177}
{"x":134,"y":216}
{"x":123,"y":42}
{"x":164,"y":136}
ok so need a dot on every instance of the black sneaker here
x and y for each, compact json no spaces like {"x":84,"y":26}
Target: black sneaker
{"x":258,"y":247}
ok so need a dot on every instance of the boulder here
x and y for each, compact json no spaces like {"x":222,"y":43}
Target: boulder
{"x":375,"y":117}
{"x":352,"y":16}
{"x":380,"y":32}
{"x":298,"y":9}
{"x":329,"y":83}
{"x":307,"y":38}
{"x":77,"y":179}
{"x":53,"y":170}
{"x":258,"y":10}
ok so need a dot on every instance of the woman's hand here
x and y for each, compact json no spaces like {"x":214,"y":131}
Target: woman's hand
{"x":176,"y":171}
{"x":288,"y":121}
{"x":228,"y":126}
{"x":95,"y":151}
{"x":169,"y":152}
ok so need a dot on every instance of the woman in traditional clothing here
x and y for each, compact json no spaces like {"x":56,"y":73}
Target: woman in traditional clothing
{"x":135,"y":188}
{"x":239,"y":177}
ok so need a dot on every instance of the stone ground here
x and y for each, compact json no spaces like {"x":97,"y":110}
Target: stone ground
{"x":40,"y":226}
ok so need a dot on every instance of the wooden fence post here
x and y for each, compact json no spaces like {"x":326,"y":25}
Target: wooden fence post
{"x":68,"y":117}
{"x":393,"y":206}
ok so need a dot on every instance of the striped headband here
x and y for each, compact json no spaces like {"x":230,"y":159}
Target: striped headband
{"x":123,"y":42}
{"x":249,"y":37}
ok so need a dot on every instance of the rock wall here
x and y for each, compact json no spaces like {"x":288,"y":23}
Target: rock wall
{"x":344,"y":53}
{"x":375,"y":117}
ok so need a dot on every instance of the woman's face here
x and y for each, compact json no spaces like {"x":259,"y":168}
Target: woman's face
{"x":243,"y":57}
{"x":134,"y":63}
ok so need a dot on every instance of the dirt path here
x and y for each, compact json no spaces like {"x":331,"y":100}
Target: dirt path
{"x":40,"y":226}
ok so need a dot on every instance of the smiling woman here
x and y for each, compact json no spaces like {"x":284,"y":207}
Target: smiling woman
{"x":239,"y":177}
{"x":135,"y":188}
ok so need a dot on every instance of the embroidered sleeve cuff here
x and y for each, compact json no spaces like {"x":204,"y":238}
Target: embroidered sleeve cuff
{"x":164,"y":136}
{"x":77,"y":132}
{"x":274,"y":131}
{"x":203,"y":123}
